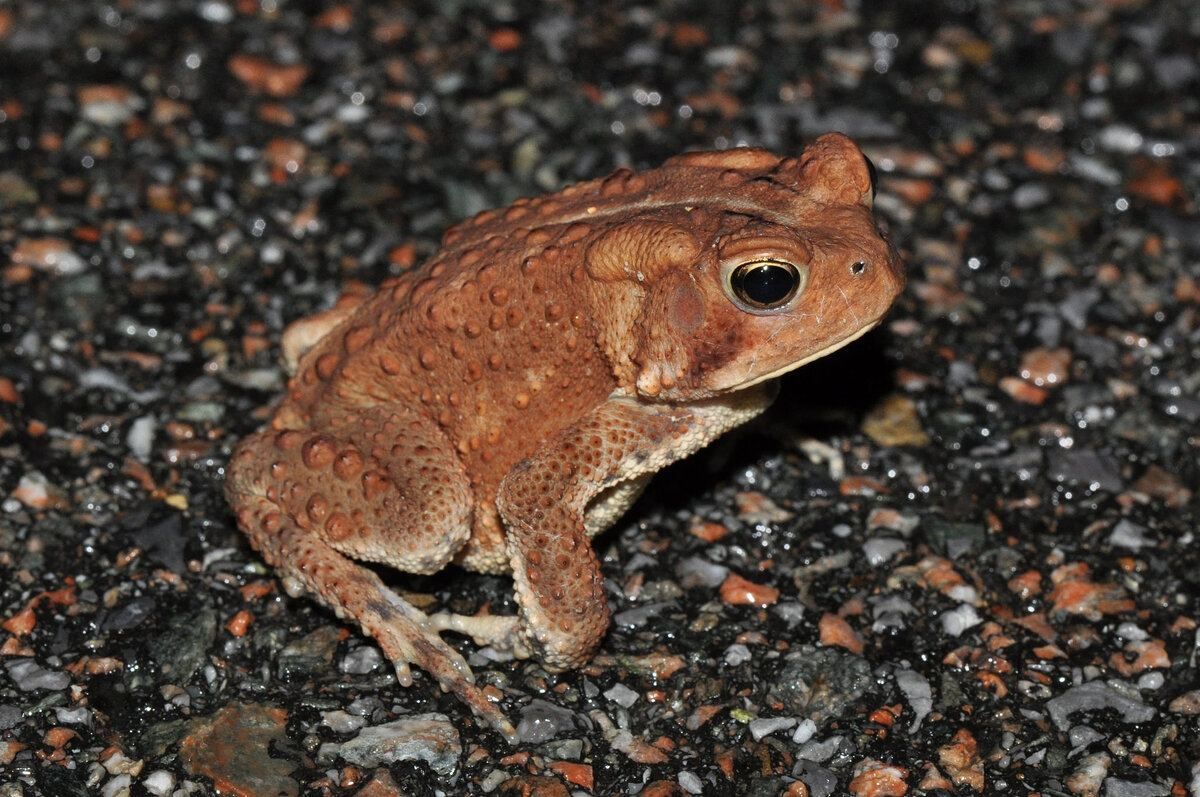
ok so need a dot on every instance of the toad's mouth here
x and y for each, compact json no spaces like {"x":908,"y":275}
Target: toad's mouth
{"x":794,"y":364}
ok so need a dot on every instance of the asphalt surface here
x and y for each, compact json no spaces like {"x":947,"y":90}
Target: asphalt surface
{"x":996,"y":594}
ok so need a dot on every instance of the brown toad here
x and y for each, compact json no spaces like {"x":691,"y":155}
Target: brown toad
{"x":501,"y":405}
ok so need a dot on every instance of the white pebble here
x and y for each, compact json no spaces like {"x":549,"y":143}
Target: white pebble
{"x":765,"y":726}
{"x":1120,"y":138}
{"x":118,"y":786}
{"x":956,"y":621}
{"x":160,"y":783}
{"x":1131,"y":632}
{"x":964,"y":593}
{"x":736,"y":654}
{"x":806,"y":730}
{"x":1151,"y":681}
{"x":213,"y":11}
{"x":622,"y":695}
{"x":341,"y":722}
{"x":881,"y":549}
{"x":141,"y":437}
{"x":362,"y":660}
{"x":689,"y":782}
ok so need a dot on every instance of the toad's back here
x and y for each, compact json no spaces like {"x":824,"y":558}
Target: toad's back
{"x":498,"y":333}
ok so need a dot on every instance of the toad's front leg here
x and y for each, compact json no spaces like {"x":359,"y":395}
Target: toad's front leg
{"x":547,"y":504}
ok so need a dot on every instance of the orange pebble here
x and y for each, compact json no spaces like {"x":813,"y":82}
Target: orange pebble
{"x":737,"y":590}
{"x":837,"y":632}
{"x":239,"y":623}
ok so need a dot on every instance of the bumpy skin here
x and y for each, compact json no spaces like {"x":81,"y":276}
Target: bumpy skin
{"x":508,"y":400}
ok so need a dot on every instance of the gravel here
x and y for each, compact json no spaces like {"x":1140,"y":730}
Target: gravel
{"x":986,"y":578}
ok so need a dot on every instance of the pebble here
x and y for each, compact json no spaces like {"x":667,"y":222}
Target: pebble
{"x":879,"y":550}
{"x":1095,"y":169}
{"x":1188,"y":704}
{"x":341,"y":721}
{"x":1099,"y":695}
{"x":48,"y":254}
{"x":29,"y":675}
{"x":227,"y":747}
{"x":35,"y":491}
{"x":1114,"y":787}
{"x":159,"y":783}
{"x":640,"y":615}
{"x":430,"y":738}
{"x":1120,"y":138}
{"x":105,"y":379}
{"x":117,"y":787}
{"x":765,"y":726}
{"x":874,"y":778}
{"x":542,"y":721}
{"x":1075,"y":309}
{"x":739,"y":591}
{"x":140,"y":437}
{"x":362,"y":660}
{"x":108,"y":105}
{"x":1046,"y":367}
{"x":736,"y":655}
{"x":757,"y":509}
{"x":1175,"y":70}
{"x":918,"y":693}
{"x":10,"y":716}
{"x":1022,"y":391}
{"x":214,"y":11}
{"x":1082,"y":736}
{"x":261,"y":74}
{"x":311,"y":654}
{"x":1157,"y":484}
{"x":806,"y":729}
{"x":1151,"y":681}
{"x":1030,"y":195}
{"x":889,"y":611}
{"x":73,"y":716}
{"x":622,"y":695}
{"x":689,"y":782}
{"x":894,"y":421}
{"x":820,"y":781}
{"x":1131,"y":632}
{"x":957,"y":621}
{"x":574,"y":773}
{"x":1074,"y":592}
{"x":117,"y":762}
{"x":698,"y":571}
{"x":961,"y":762}
{"x":819,"y":682}
{"x":835,"y":631}
{"x":1085,"y":467}
{"x":790,"y":612}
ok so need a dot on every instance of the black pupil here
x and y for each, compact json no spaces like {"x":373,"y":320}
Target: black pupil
{"x":766,"y":284}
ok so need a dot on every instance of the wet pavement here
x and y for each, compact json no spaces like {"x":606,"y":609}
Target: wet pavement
{"x":996,"y":593}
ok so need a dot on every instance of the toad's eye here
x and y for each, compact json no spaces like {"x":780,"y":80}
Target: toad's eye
{"x":760,"y":285}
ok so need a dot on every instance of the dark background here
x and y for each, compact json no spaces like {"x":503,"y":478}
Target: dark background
{"x":999,"y":594}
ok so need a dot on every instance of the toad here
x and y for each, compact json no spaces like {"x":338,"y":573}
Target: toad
{"x":499,"y":406}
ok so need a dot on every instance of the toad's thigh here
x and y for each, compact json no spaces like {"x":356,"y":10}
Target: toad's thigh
{"x":384,"y":485}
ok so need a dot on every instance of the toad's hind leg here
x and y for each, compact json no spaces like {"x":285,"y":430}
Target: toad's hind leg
{"x":389,"y":490}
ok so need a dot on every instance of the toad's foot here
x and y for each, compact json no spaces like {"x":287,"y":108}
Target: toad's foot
{"x":501,"y":632}
{"x":408,"y":636}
